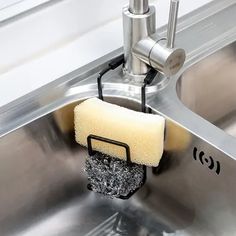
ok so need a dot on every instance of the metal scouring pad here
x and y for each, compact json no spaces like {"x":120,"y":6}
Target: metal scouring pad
{"x":112,"y":176}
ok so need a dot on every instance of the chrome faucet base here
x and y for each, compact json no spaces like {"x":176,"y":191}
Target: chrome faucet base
{"x":136,"y":27}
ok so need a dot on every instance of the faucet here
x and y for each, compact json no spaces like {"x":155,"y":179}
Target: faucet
{"x":143,"y":47}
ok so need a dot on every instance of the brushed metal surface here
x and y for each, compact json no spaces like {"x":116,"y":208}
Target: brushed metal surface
{"x":208,"y":88}
{"x":42,"y":182}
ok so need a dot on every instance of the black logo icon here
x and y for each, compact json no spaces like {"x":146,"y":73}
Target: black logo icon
{"x":211,"y":164}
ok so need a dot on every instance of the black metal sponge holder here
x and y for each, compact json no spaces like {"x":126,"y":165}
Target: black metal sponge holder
{"x":147,"y":81}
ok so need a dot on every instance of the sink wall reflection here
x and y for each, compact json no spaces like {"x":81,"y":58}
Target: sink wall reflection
{"x":208,"y":88}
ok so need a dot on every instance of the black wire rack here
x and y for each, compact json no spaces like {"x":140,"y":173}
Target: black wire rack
{"x":147,"y":81}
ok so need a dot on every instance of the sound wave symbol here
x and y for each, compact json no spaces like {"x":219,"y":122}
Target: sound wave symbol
{"x":211,"y":164}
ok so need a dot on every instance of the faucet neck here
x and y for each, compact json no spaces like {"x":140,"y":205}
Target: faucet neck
{"x":138,"y":7}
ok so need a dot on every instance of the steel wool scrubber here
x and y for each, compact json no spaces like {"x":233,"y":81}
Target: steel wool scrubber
{"x":114,"y":177}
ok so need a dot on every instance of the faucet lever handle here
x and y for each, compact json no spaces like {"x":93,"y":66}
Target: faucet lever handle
{"x":173,"y":16}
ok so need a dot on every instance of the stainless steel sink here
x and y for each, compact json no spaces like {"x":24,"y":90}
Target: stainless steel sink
{"x":42,"y":183}
{"x":208,"y":88}
{"x":44,"y":187}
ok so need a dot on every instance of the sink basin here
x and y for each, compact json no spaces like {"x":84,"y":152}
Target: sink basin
{"x":46,"y":193}
{"x":43,"y":187}
{"x":208,"y":88}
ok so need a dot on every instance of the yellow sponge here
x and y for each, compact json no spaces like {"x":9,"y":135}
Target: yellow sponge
{"x":144,"y":133}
